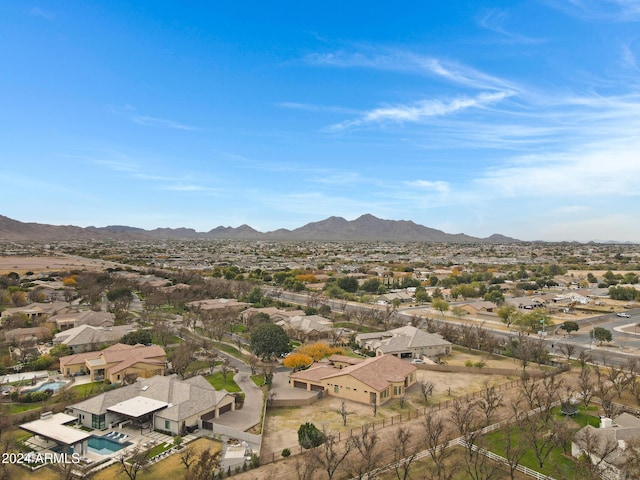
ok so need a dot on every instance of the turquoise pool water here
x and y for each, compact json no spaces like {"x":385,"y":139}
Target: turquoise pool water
{"x":55,"y":386}
{"x":104,"y":446}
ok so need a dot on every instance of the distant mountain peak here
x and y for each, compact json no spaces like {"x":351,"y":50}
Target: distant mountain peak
{"x":366,"y":227}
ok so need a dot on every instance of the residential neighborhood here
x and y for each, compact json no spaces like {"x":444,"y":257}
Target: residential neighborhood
{"x":146,"y":362}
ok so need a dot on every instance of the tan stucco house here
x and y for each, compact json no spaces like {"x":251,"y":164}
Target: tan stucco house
{"x":116,"y":362}
{"x":405,"y":342}
{"x":374,"y":380}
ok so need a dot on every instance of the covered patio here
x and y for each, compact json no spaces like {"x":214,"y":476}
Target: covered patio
{"x":52,"y":433}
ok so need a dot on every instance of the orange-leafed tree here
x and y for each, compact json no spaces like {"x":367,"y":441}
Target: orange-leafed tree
{"x":297,"y":360}
{"x":307,"y":278}
{"x":319,"y":350}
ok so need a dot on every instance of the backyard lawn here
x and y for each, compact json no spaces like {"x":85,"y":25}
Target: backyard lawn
{"x":217,"y":380}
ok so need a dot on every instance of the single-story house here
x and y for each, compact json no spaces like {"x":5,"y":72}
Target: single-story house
{"x":30,"y":335}
{"x":86,"y":338}
{"x":218,"y":304}
{"x":374,"y":380}
{"x":307,"y":327}
{"x":36,"y":311}
{"x":65,"y":321}
{"x":405,"y":342}
{"x":476,"y":308}
{"x":167,"y":404}
{"x":607,"y":445}
{"x":116,"y":363}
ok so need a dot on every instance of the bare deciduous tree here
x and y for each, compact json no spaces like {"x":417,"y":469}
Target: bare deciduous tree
{"x":367,"y":445}
{"x":489,"y":402}
{"x":403,"y":455}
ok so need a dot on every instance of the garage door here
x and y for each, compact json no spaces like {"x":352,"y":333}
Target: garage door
{"x":225,"y":409}
{"x":315,"y":388}
{"x":297,"y":384}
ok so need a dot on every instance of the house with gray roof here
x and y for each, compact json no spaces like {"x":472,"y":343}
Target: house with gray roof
{"x":86,"y":338}
{"x":307,"y":327}
{"x":405,"y":342}
{"x":67,"y":320}
{"x":607,"y":446}
{"x":161,"y":403}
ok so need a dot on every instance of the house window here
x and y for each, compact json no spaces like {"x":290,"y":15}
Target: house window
{"x":98,"y":421}
{"x":335,"y":389}
{"x":167,"y":425}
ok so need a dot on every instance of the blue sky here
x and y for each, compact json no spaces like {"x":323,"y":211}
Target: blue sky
{"x":520,"y":118}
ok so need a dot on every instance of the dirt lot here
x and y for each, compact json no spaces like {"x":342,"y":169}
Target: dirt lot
{"x":21,"y":265}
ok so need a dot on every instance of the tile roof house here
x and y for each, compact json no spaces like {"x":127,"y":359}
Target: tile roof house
{"x":161,"y":403}
{"x":405,"y":342}
{"x":307,"y":327}
{"x":65,"y":321}
{"x":607,"y":445}
{"x":373,"y":380}
{"x":86,"y":338}
{"x":475,"y":308}
{"x":116,"y":363}
{"x":36,"y":311}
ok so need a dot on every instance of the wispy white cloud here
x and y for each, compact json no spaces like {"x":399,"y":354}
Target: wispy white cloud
{"x":420,"y":111}
{"x":187,"y":188}
{"x":600,"y":10}
{"x":628,"y":56}
{"x":315,"y":108}
{"x":409,"y":62}
{"x":39,"y":12}
{"x":429,"y":185}
{"x":494,"y":20}
{"x":161,"y":122}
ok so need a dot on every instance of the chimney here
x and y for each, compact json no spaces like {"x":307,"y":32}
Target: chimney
{"x":606,"y":422}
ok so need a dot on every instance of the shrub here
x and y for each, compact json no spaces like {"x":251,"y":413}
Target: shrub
{"x":480,"y":364}
{"x":286,"y":452}
{"x":468,"y":363}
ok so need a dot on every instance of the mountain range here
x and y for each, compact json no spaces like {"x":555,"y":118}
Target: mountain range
{"x":364,"y":228}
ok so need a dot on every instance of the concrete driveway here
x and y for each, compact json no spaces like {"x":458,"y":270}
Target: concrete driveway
{"x":251,"y":412}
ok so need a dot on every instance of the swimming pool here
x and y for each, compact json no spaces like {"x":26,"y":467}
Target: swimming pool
{"x":55,"y":386}
{"x":104,"y":446}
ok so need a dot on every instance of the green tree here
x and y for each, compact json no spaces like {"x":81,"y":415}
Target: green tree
{"x":601,"y":334}
{"x":440,"y":304}
{"x":139,"y":336}
{"x":570,"y":327}
{"x":494,"y":296}
{"x":268,"y":340}
{"x":61,"y":350}
{"x":309,"y":436}
{"x":348,"y":284}
{"x":371,"y":285}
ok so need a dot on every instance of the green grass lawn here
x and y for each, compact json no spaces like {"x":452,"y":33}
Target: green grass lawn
{"x":218,"y":382}
{"x":258,"y":380}
{"x":90,"y":389}
{"x":230,"y":349}
{"x":11,"y":408}
{"x":357,"y":327}
{"x":556,"y":465}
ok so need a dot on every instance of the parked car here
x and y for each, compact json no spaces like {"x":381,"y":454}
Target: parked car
{"x":623,"y":315}
{"x":417,"y":360}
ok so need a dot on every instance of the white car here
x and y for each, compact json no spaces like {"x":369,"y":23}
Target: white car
{"x":417,"y":360}
{"x":623,"y":315}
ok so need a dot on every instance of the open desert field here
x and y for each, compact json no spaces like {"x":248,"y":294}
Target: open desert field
{"x":21,"y":265}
